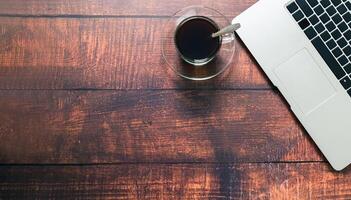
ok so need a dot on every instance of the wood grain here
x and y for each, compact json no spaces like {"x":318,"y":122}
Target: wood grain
{"x":99,"y":53}
{"x":119,"y":8}
{"x":89,"y":110}
{"x":149,"y":126}
{"x":175,"y":181}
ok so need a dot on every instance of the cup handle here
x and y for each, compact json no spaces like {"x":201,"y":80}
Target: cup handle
{"x":227,"y":33}
{"x":227,"y":38}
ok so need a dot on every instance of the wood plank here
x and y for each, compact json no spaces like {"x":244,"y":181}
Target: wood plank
{"x":98,"y":53}
{"x":149,"y":126}
{"x":116,"y":7}
{"x":179,"y":181}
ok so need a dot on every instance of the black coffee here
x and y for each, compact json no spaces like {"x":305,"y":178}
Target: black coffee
{"x":193,"y":38}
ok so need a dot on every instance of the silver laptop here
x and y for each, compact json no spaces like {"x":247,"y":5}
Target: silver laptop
{"x":304,"y":47}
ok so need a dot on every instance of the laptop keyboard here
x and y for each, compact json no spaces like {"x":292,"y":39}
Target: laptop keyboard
{"x":327,"y":24}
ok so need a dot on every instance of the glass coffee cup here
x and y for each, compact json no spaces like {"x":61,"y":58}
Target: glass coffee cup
{"x":189,"y":49}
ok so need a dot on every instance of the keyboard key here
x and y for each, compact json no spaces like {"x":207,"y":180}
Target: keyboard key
{"x":325,"y":3}
{"x":319,"y":10}
{"x":319,"y":27}
{"x":298,"y":16}
{"x":347,"y":68}
{"x":349,"y":92}
{"x":336,"y":34}
{"x":325,"y":18}
{"x":343,"y":60}
{"x":347,"y":51}
{"x":331,"y":44}
{"x":310,"y":32}
{"x":292,"y":7}
{"x":304,"y":23}
{"x":347,"y":17}
{"x":342,"y":9}
{"x":342,"y":43}
{"x":348,"y":5}
{"x":337,"y":19}
{"x":346,"y":82}
{"x":312,"y":3}
{"x":306,"y":9}
{"x":347,"y":35}
{"x":342,"y":27}
{"x":325,"y":36}
{"x":337,"y":52}
{"x":336,"y":2}
{"x":330,"y":26}
{"x":328,"y":58}
{"x":331,"y":10}
{"x":314,"y":19}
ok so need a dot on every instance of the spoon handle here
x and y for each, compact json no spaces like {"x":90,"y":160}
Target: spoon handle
{"x":228,"y":29}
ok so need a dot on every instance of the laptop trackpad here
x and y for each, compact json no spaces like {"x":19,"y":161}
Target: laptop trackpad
{"x":304,"y":81}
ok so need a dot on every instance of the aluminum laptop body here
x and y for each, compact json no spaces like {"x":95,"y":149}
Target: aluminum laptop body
{"x":304,"y":48}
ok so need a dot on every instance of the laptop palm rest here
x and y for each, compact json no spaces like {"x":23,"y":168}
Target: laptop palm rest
{"x":305,"y":81}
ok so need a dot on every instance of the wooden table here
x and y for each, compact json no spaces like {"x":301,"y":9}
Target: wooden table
{"x":88,"y":109}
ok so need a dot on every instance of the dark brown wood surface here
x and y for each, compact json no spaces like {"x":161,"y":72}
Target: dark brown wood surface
{"x":119,"y":8}
{"x":176,"y":181}
{"x":100,"y":53}
{"x":89,"y":110}
{"x":149,"y":126}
